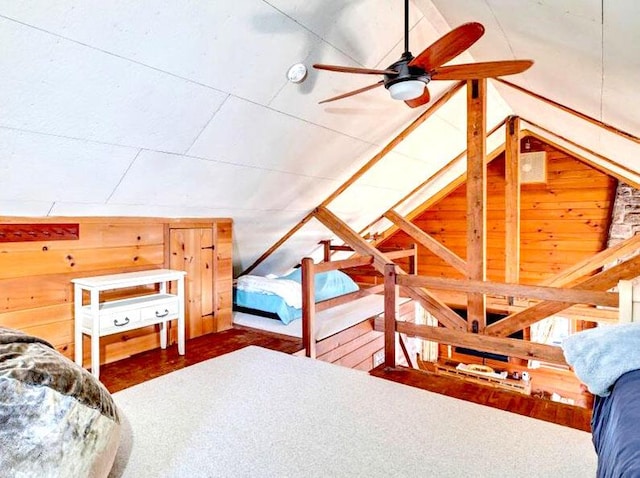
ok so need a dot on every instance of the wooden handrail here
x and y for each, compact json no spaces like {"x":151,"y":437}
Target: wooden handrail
{"x":555,"y":294}
{"x":343,"y":264}
{"x":604,"y":280}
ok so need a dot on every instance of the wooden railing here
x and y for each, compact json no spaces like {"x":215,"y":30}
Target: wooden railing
{"x":552,"y":300}
{"x":310,"y":307}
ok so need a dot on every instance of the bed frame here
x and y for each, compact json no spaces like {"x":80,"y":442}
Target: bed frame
{"x":343,"y":330}
{"x":354,"y":264}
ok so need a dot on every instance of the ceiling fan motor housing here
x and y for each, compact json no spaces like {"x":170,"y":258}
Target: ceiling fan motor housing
{"x":405,"y":72}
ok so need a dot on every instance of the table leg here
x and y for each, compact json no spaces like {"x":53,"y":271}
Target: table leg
{"x":181,"y":321}
{"x":95,"y":333}
{"x":163,"y":335}
{"x":77,"y":323}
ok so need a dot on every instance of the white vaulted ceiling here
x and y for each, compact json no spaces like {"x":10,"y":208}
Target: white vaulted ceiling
{"x":183,"y":109}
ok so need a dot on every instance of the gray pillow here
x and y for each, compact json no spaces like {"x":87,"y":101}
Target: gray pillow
{"x":56,"y":419}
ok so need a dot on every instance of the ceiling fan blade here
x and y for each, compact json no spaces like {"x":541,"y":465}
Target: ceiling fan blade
{"x":488,"y":69}
{"x":351,"y":93}
{"x":351,"y":69}
{"x":448,"y":46}
{"x":420,"y":100}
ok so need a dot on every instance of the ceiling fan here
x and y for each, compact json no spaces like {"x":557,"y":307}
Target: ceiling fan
{"x":407,"y":78}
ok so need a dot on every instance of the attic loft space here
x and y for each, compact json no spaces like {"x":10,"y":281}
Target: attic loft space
{"x":162,"y":176}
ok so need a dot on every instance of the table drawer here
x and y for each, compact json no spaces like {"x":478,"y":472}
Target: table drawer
{"x":115,"y":321}
{"x":161,"y":311}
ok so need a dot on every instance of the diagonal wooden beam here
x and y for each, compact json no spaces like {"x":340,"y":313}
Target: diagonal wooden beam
{"x":602,"y":281}
{"x":278,"y":243}
{"x":424,"y":116}
{"x":589,"y":119}
{"x":438,"y":195}
{"x":439,"y":309}
{"x":427,"y":241}
{"x":595,"y":262}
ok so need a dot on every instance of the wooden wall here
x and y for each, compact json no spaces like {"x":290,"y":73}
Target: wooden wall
{"x":562,"y":222}
{"x":36,"y":294}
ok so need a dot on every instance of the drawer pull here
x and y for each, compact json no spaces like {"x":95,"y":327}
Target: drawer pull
{"x":126,"y":321}
{"x":166,"y":312}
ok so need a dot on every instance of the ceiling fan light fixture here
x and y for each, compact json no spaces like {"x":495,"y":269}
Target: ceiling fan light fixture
{"x":406,"y":90}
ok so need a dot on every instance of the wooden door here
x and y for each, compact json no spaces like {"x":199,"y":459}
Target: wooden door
{"x":192,"y":250}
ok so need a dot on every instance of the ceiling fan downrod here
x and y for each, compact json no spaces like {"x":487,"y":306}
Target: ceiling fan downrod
{"x":407,"y":53}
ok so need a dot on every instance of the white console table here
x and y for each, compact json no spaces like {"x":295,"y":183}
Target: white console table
{"x":98,"y":319}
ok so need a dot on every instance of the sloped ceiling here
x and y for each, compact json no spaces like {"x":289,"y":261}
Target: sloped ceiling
{"x":183,"y":109}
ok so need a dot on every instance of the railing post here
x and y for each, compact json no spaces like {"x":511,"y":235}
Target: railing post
{"x":413,"y":260}
{"x":326,"y":250}
{"x":308,"y":307}
{"x":390,"y":301}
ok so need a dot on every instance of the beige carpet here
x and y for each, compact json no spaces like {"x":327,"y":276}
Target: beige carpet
{"x":259,"y":413}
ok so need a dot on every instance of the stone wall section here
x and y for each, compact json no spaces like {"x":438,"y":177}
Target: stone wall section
{"x":625,"y":220}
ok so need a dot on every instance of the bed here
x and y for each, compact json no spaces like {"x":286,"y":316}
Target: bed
{"x":329,"y":303}
{"x":607,"y":361}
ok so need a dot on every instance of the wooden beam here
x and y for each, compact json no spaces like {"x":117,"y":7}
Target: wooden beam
{"x":343,"y":299}
{"x":424,"y":116}
{"x":326,"y":249}
{"x":399,"y":254}
{"x":476,"y":199}
{"x":343,"y":264}
{"x":390,"y":314}
{"x":595,"y":262}
{"x":435,"y":106}
{"x":604,"y":280}
{"x":499,"y":305}
{"x":415,"y":212}
{"x":566,"y":109}
{"x":308,"y":307}
{"x":440,"y":310}
{"x":500,"y":345}
{"x":278,"y":243}
{"x":569,"y":296}
{"x":512,"y":200}
{"x":427,"y":241}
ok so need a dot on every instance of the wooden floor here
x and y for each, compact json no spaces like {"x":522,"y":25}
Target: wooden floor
{"x":154,"y":363}
{"x":147,"y":365}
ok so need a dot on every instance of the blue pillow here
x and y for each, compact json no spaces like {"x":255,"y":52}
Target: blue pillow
{"x":600,"y":355}
{"x":327,"y":284}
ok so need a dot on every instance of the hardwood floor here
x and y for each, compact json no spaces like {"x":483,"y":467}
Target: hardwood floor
{"x":542,"y":409}
{"x":154,"y":363}
{"x":147,"y":365}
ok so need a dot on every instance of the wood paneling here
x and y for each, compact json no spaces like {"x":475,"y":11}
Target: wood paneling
{"x":224,"y":275}
{"x":562,"y":222}
{"x":36,"y":294}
